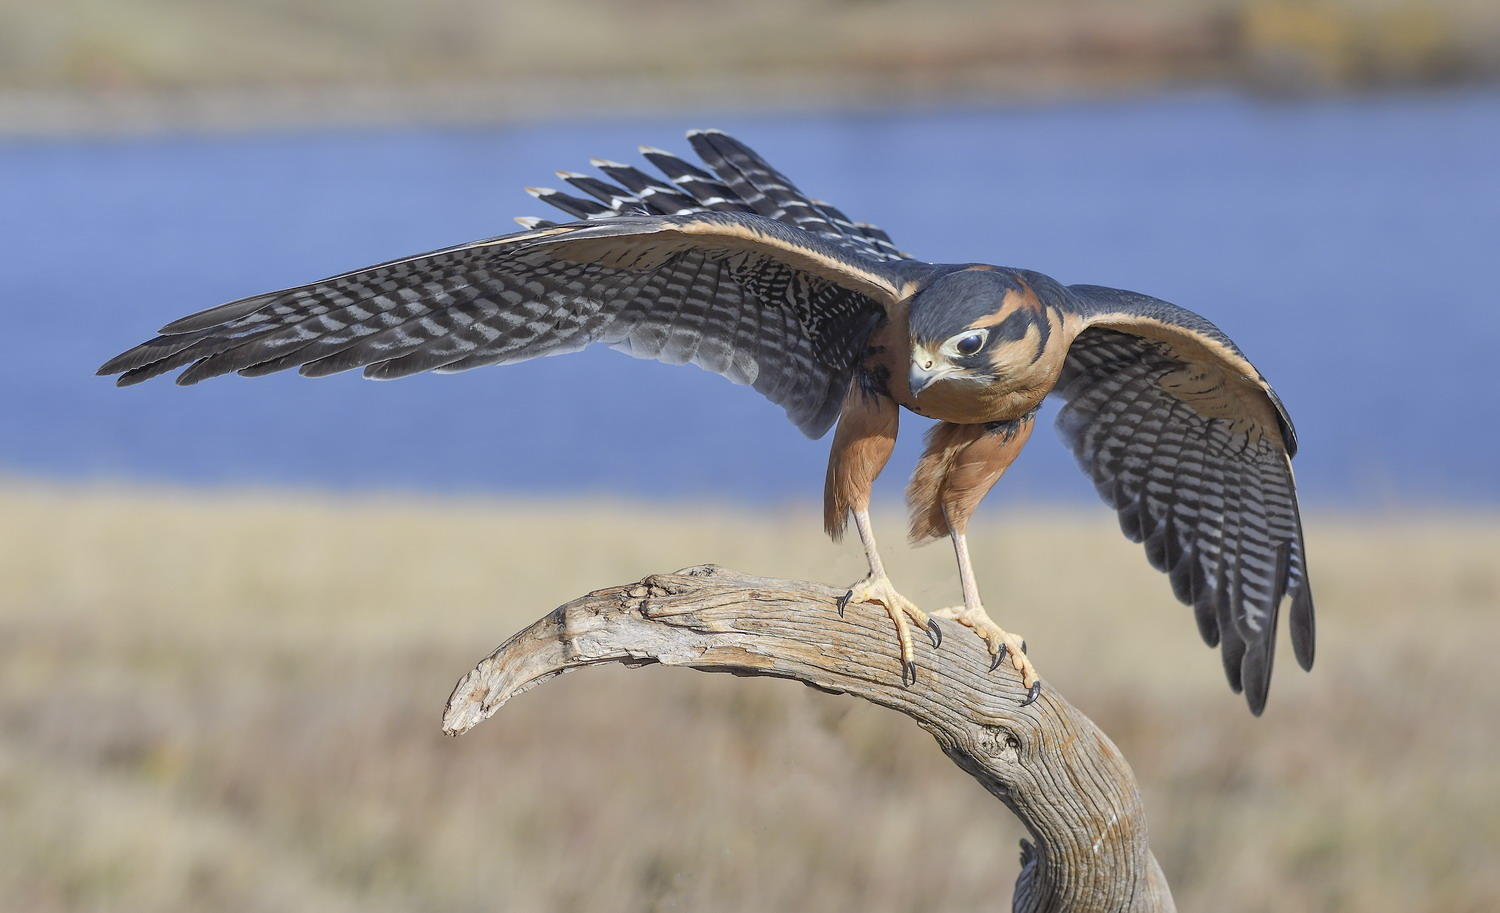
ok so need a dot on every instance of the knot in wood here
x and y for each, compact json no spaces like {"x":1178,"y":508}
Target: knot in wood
{"x":656,"y":585}
{"x":999,"y":743}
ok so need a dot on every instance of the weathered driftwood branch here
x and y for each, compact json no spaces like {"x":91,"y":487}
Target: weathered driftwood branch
{"x":1047,"y":762}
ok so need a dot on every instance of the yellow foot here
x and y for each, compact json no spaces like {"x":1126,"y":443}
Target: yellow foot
{"x":1001,"y":643}
{"x":879,"y":589}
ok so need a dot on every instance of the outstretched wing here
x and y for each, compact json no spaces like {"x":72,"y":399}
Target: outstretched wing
{"x":756,"y":300}
{"x":1186,"y":440}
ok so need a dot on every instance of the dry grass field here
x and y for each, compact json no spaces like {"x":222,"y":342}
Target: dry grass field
{"x":230,"y":702}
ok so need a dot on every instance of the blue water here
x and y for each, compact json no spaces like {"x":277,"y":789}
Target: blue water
{"x":1349,"y":246}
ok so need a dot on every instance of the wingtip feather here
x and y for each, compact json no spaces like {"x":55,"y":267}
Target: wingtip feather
{"x":1255,"y":673}
{"x":113,"y":366}
{"x":1303,"y":628}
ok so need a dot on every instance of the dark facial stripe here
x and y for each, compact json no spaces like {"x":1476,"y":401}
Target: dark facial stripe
{"x":1015,"y":327}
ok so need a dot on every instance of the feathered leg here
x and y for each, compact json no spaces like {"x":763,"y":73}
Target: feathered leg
{"x":863,"y":442}
{"x":960,"y":466}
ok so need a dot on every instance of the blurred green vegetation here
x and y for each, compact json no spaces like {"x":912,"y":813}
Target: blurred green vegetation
{"x":83,"y":45}
{"x":231,"y":702}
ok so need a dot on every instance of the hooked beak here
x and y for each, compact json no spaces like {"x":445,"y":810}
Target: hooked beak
{"x":920,"y":378}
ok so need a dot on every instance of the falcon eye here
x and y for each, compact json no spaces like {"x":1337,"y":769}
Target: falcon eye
{"x":969,"y":344}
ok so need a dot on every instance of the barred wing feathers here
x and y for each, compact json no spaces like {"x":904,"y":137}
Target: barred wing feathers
{"x":740,"y":181}
{"x":754,"y":299}
{"x":1186,"y":440}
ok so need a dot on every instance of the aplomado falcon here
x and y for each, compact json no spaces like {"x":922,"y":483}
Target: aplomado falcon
{"x":738,"y":272}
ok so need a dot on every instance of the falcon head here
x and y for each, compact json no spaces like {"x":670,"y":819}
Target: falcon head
{"x":978,"y":325}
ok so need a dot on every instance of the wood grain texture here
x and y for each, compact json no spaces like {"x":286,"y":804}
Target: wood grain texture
{"x":1047,"y":762}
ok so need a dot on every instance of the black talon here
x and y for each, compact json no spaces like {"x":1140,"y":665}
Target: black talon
{"x":935,"y":632}
{"x":1023,"y":646}
{"x":843,"y":602}
{"x":999,"y":658}
{"x":1033,"y":694}
{"x":908,"y":674}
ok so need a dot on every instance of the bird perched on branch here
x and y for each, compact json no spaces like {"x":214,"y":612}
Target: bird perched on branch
{"x":737,"y":271}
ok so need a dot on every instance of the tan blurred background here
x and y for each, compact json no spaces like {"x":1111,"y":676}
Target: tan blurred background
{"x":221,"y":691}
{"x":87,"y":64}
